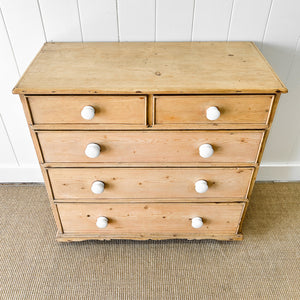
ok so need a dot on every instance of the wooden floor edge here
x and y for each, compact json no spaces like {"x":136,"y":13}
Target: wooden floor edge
{"x":61,"y":237}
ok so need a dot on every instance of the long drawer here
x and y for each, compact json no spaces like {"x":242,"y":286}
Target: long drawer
{"x":149,"y":183}
{"x":192,"y":110}
{"x":155,"y":219}
{"x":151,"y":146}
{"x":107,"y":109}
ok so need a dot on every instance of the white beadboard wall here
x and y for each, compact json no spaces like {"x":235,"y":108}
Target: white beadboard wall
{"x":26,"y":24}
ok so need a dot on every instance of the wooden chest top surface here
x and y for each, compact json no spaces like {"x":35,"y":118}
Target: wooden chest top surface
{"x":149,"y":68}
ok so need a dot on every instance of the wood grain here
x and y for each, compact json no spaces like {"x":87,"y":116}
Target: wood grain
{"x":237,"y":109}
{"x":129,"y":68}
{"x":150,"y":183}
{"x":154,"y":219}
{"x":154,"y":200}
{"x":150,"y":121}
{"x":108,"y":109}
{"x":157,"y":127}
{"x":151,"y":146}
{"x":145,"y":164}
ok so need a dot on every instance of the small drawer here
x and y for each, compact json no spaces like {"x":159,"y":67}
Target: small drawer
{"x":151,"y":146}
{"x":150,"y":219}
{"x":212,"y":110}
{"x":88,"y":109}
{"x":149,"y":183}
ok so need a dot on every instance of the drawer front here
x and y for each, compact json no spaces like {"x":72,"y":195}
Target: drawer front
{"x":151,"y":146}
{"x":147,"y":183}
{"x":234,"y":109}
{"x":150,"y":218}
{"x":107,"y":109}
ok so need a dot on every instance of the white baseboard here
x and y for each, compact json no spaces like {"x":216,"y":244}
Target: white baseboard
{"x":278,"y":172}
{"x":20,"y":174}
{"x":267,"y":172}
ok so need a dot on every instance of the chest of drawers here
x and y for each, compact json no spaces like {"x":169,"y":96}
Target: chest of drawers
{"x":149,"y":140}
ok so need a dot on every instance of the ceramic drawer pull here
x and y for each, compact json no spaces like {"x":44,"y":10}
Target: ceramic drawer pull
{"x":201,"y":186}
{"x":206,"y":150}
{"x":88,"y":112}
{"x":92,"y":150}
{"x":197,"y":222}
{"x":212,"y":113}
{"x":102,"y":222}
{"x":97,"y":187}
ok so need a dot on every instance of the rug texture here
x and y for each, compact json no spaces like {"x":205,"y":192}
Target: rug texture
{"x":265,"y":265}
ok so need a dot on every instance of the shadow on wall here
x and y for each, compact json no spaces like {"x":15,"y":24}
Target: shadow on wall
{"x":285,"y":133}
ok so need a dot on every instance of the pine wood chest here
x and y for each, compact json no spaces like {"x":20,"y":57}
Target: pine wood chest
{"x":149,"y":140}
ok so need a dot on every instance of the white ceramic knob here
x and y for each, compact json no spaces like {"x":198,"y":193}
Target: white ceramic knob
{"x":102,"y":222}
{"x":212,"y":113}
{"x":88,"y":112}
{"x":206,"y":150}
{"x":197,"y":222}
{"x":92,"y":150}
{"x":97,"y":187}
{"x":201,"y":186}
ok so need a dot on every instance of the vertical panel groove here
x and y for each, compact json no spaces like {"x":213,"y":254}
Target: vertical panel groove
{"x":10,"y":44}
{"x":42,"y":21}
{"x":118,"y":23}
{"x":293,"y":58}
{"x":136,"y":20}
{"x":9,"y":140}
{"x":174,"y":20}
{"x":79,"y":18}
{"x":287,"y":78}
{"x":211,"y":20}
{"x":192,"y":27}
{"x":230,"y":19}
{"x":155,"y":22}
{"x":266,"y":26}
